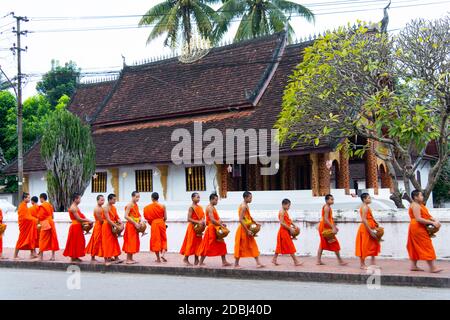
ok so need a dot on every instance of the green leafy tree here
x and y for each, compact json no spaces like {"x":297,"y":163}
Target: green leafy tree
{"x":35,"y":112}
{"x":177,"y":18}
{"x":59,"y":81}
{"x":361,"y":82}
{"x":441,"y":191}
{"x":69,"y":155}
{"x":258,"y":17}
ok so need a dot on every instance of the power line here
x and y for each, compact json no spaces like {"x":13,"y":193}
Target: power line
{"x":124,"y":27}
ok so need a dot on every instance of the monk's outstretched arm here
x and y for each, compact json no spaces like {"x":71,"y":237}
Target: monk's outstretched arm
{"x":418,"y":217}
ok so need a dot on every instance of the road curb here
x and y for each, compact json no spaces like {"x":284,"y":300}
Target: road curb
{"x":327,"y":277}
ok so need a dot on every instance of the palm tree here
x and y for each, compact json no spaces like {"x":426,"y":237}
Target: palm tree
{"x":179,"y":17}
{"x":258,"y":17}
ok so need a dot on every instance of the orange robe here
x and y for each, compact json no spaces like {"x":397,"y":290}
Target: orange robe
{"x":154,"y":214}
{"x":131,"y":241}
{"x":285,"y":245}
{"x":210,"y":246}
{"x":94,"y":247}
{"x":27,"y":228}
{"x":1,"y":237}
{"x":48,"y":240}
{"x":244,"y":245}
{"x":34,"y":209}
{"x":324,"y":244}
{"x":75,"y":240}
{"x":191,"y":239}
{"x":419,"y":243}
{"x":366,"y":246}
{"x":110,"y":243}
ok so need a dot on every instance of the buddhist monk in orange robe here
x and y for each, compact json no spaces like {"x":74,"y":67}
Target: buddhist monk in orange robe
{"x":131,"y":242}
{"x":33,"y":211}
{"x":245,"y":244}
{"x":1,"y":235}
{"x":27,"y":229}
{"x":285,"y":245}
{"x":48,"y":239}
{"x":76,"y":243}
{"x":419,"y":243}
{"x":327,"y":223}
{"x":210,"y":245}
{"x":192,"y":240}
{"x":110,"y":243}
{"x":156,"y":215}
{"x":94,"y":247}
{"x":367,"y":242}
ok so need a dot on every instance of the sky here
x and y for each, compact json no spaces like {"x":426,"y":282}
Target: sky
{"x":102,"y":50}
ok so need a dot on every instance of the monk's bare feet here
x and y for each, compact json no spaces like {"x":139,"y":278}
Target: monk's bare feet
{"x":201,"y":264}
{"x":436,"y":270}
{"x":260,"y":266}
{"x":76,"y":260}
{"x":416,"y":269}
{"x":52,"y":259}
{"x":163,"y":259}
{"x":363,"y":267}
{"x":320,"y":263}
{"x":275,"y":262}
{"x":226,"y":264}
{"x":237,"y":266}
{"x":3,"y":258}
{"x":94,"y":261}
{"x":343,"y":263}
{"x":158,"y":260}
{"x":298,"y":263}
{"x":108,"y":263}
{"x":187,"y":263}
{"x":131,"y":262}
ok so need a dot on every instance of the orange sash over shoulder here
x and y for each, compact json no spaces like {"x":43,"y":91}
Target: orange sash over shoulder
{"x":191,"y":240}
{"x":419,"y":244}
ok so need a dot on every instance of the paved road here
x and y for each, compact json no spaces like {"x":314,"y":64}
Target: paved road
{"x":31,"y":284}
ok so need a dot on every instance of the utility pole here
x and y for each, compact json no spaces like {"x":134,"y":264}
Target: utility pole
{"x":18,"y":49}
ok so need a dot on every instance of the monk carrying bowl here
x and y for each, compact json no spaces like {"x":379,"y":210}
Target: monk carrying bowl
{"x":87,"y":227}
{"x":431,"y":229}
{"x":199,"y":228}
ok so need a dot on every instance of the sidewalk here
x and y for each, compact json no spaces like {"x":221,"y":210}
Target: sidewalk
{"x":393,"y":272}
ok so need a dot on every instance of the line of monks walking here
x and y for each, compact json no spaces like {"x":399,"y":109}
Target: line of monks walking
{"x":205,"y":231}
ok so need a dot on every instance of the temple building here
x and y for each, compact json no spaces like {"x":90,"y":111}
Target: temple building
{"x":232,"y":86}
